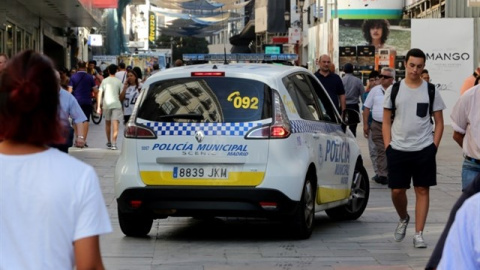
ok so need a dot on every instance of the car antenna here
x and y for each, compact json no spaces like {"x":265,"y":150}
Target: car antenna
{"x":225,"y":62}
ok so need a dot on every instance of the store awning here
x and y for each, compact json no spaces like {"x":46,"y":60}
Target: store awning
{"x":66,"y":13}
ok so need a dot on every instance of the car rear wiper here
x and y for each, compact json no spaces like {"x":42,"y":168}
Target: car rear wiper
{"x":190,"y":116}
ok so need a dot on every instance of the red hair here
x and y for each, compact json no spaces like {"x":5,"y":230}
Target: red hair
{"x":29,"y":101}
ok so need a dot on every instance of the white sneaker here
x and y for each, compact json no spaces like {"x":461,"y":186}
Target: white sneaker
{"x":114,"y":147}
{"x":401,"y":229}
{"x":418,"y":241}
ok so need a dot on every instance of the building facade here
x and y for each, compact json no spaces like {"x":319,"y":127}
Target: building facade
{"x":57,"y":28}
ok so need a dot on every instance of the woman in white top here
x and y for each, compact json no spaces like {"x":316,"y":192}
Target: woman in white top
{"x":51,"y":206}
{"x":129,"y":94}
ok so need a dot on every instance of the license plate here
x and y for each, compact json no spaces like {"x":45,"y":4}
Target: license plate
{"x":200,"y":172}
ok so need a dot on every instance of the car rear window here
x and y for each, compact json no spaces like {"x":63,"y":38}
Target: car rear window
{"x":206,"y":99}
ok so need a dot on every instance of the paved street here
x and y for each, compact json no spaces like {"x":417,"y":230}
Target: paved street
{"x":227,"y":244}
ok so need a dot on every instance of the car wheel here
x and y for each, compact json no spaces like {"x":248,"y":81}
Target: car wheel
{"x":358,"y":198}
{"x":303,"y":220}
{"x":134,"y":225}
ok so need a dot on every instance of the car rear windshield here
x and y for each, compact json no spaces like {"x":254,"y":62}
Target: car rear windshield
{"x":206,"y":99}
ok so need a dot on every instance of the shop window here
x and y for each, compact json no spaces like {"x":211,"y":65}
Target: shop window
{"x":28,"y":41}
{"x":19,"y":40}
{"x":9,"y":40}
{"x":2,"y":42}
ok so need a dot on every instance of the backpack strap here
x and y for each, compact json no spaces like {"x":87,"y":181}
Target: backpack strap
{"x":393,"y":96}
{"x":431,"y":99}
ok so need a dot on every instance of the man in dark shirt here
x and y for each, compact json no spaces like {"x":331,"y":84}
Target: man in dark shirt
{"x":81,"y":85}
{"x":332,"y":83}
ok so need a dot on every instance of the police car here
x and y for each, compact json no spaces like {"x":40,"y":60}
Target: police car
{"x":243,"y":140}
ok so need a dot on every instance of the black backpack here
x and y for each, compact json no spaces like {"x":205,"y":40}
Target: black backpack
{"x":431,"y":98}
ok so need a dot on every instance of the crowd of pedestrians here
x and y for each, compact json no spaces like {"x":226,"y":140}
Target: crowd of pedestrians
{"x":36,"y":111}
{"x":404,"y":130}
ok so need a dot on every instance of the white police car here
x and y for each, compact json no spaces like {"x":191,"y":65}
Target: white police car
{"x":245,"y":140}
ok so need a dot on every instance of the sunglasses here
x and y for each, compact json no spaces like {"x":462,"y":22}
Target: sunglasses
{"x":385,"y":76}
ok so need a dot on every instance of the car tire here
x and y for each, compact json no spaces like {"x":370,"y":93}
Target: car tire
{"x":304,"y":217}
{"x":134,"y":225}
{"x":358,"y":199}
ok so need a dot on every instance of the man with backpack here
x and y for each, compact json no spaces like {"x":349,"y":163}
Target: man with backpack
{"x":411,"y":142}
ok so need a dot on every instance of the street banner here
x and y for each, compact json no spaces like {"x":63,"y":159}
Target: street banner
{"x":449,"y":46}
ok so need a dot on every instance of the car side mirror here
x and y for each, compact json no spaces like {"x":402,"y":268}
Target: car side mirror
{"x":351,"y":117}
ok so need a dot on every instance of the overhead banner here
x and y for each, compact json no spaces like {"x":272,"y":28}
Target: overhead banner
{"x":450,"y":54}
{"x":370,"y":9}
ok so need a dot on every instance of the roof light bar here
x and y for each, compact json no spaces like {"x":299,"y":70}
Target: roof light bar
{"x":240,"y":57}
{"x":208,"y":74}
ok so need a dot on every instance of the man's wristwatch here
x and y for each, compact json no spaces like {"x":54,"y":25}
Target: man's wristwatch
{"x":81,"y":137}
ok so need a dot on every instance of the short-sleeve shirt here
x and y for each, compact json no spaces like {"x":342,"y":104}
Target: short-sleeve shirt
{"x":466,"y":120}
{"x":354,"y":88}
{"x":82,"y":84}
{"x":48,"y":200}
{"x":111,"y":87}
{"x":131,"y":95}
{"x":374,"y":102}
{"x":411,"y":128}
{"x":334,"y":86}
{"x":70,"y":108}
{"x":121,"y":75}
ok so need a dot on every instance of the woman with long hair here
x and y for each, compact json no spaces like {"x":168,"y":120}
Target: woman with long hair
{"x":129,"y":94}
{"x":51,"y":205}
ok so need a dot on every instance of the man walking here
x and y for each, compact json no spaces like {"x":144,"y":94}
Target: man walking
{"x":81,"y":85}
{"x":353,"y":92}
{"x":109,"y":93}
{"x":410,"y":145}
{"x":374,"y":104}
{"x":121,"y":73}
{"x":466,"y":132}
{"x":332,"y":83}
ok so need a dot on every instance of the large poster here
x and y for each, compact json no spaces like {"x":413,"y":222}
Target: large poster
{"x":449,"y":46}
{"x":372,"y":44}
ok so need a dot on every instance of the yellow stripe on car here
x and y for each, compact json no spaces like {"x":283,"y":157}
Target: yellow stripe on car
{"x":325,"y":195}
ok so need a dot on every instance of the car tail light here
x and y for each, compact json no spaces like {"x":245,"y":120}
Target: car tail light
{"x":269,"y":205}
{"x":208,"y":74}
{"x":280,"y":127}
{"x":139,"y":132}
{"x":135,"y":204}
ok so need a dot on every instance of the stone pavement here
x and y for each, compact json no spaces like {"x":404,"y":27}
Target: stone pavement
{"x":228,"y":244}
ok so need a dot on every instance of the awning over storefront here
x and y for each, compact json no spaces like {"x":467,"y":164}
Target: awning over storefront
{"x":64,"y":13}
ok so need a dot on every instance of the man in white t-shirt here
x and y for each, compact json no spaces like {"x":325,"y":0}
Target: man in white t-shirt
{"x":466,"y":132}
{"x":121,"y":73}
{"x":411,"y":145}
{"x":109,"y":101}
{"x":374,"y":103}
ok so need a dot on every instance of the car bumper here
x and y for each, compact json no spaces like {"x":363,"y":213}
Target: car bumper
{"x":161,"y":202}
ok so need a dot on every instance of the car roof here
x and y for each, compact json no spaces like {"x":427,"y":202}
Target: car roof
{"x":267,"y":73}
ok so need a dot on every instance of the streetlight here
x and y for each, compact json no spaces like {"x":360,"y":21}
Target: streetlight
{"x":286,"y":16}
{"x":300,"y":49}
